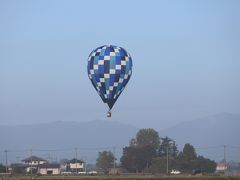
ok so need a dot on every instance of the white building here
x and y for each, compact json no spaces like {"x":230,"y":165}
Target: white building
{"x":49,"y":169}
{"x":33,"y":162}
{"x":75,"y":165}
{"x":221,"y":167}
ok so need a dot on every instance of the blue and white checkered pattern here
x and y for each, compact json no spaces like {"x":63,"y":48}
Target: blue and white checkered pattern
{"x":109,"y":69}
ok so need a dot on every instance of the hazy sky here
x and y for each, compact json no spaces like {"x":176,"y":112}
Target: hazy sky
{"x":186,"y":57}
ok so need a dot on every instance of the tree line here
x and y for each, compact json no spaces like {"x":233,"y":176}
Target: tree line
{"x":148,"y":153}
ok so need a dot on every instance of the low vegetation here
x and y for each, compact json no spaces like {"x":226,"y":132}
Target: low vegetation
{"x":120,"y":178}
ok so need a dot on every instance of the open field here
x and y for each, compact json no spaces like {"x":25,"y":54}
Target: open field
{"x":123,"y":178}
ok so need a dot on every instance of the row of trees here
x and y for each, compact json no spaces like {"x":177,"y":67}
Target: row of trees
{"x":147,"y":152}
{"x":2,"y":169}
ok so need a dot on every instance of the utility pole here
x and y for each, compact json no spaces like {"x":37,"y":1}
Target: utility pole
{"x":114,"y":160}
{"x":6,"y":155}
{"x":31,"y":163}
{"x":167,"y":160}
{"x":224,"y":147}
{"x":17,"y":159}
{"x":114,"y":163}
{"x":85,"y":164}
{"x":76,"y":149}
{"x":225,"y":160}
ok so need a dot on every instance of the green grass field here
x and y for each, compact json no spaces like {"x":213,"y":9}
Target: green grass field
{"x":121,"y":178}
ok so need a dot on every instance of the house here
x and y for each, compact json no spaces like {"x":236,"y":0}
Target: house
{"x":221,"y":167}
{"x":33,"y":162}
{"x":75,"y":165}
{"x":49,"y":169}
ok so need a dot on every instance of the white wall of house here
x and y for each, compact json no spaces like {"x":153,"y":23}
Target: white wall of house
{"x":28,"y":169}
{"x":54,"y":171}
{"x":221,"y":168}
{"x":76,"y":165}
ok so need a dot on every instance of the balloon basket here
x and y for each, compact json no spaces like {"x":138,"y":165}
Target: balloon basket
{"x":109,"y":114}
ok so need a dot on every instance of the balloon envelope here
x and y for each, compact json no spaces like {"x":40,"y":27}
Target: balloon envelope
{"x":109,"y":69}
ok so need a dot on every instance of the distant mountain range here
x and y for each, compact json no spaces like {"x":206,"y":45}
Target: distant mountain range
{"x":60,"y":139}
{"x":57,"y":140}
{"x":209,"y":135}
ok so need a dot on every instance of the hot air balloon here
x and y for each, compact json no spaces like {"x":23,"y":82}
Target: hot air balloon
{"x":109,"y":69}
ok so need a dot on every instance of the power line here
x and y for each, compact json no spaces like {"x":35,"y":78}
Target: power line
{"x":234,"y":147}
{"x":107,"y":148}
{"x":209,"y":147}
{"x":225,"y":148}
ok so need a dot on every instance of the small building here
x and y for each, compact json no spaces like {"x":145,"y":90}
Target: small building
{"x":221,"y":167}
{"x":75,"y":165}
{"x":49,"y":169}
{"x":33,"y":162}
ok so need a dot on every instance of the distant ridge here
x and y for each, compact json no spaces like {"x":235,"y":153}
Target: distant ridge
{"x":209,"y":134}
{"x":89,"y":137}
